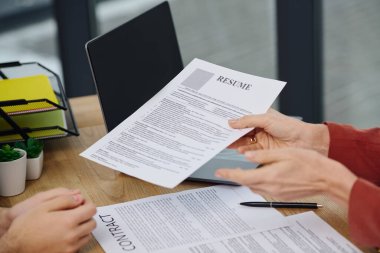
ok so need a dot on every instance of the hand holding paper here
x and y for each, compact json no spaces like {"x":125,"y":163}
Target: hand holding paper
{"x":185,"y":124}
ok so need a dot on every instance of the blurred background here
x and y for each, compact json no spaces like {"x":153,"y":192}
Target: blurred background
{"x":328,"y":50}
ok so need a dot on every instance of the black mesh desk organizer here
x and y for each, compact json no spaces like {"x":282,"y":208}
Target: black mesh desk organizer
{"x":10,"y":130}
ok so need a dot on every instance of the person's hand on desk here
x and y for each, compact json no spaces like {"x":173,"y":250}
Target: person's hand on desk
{"x":292,"y":173}
{"x":7,"y":215}
{"x":57,"y":224}
{"x":275,"y":130}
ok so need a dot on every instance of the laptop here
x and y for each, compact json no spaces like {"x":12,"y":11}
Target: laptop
{"x":133,"y":62}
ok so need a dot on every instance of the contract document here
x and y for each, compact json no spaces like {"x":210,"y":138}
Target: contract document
{"x":178,"y":221}
{"x":306,"y":233}
{"x":185,"y":124}
{"x":211,"y":220}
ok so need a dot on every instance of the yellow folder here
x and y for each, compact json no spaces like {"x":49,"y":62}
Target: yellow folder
{"x":28,"y":88}
{"x":34,"y":121}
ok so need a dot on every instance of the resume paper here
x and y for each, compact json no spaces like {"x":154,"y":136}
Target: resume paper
{"x":185,"y":124}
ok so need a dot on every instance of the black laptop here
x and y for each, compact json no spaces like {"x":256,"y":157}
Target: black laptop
{"x":134,"y":61}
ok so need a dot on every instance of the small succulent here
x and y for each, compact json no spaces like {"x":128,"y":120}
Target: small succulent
{"x":33,"y":147}
{"x":7,"y":154}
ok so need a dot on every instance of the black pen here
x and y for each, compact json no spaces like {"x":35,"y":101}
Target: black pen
{"x":282,"y":204}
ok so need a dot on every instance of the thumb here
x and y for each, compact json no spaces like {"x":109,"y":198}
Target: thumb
{"x":249,"y":121}
{"x":63,"y":202}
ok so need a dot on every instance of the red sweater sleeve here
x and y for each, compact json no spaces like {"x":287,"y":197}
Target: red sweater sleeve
{"x":364,"y":213}
{"x":359,"y":150}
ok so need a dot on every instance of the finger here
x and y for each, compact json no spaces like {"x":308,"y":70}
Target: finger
{"x":236,"y":144}
{"x":63,"y":202}
{"x":86,"y":227}
{"x":251,"y":147}
{"x":267,"y":156}
{"x":39,"y":198}
{"x":243,"y":177}
{"x":243,"y":141}
{"x":247,"y":139}
{"x":56,"y":192}
{"x":248,"y":121}
{"x":83,"y":213}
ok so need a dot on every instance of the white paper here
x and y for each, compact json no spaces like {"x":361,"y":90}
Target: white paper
{"x":175,"y":221}
{"x":185,"y":124}
{"x":307,"y":233}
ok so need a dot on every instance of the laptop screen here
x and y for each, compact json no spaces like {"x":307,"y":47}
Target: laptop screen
{"x":131,"y":63}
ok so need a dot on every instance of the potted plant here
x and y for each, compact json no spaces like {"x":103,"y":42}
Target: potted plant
{"x":35,"y":157}
{"x":12,"y":171}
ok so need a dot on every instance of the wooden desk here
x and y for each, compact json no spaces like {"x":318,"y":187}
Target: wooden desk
{"x":63,"y":167}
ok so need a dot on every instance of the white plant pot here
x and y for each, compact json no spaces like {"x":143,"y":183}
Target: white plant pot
{"x":34,"y":167}
{"x":13,"y":175}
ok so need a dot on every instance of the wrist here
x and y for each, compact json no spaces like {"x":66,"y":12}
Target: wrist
{"x":340,"y":183}
{"x":317,"y":138}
